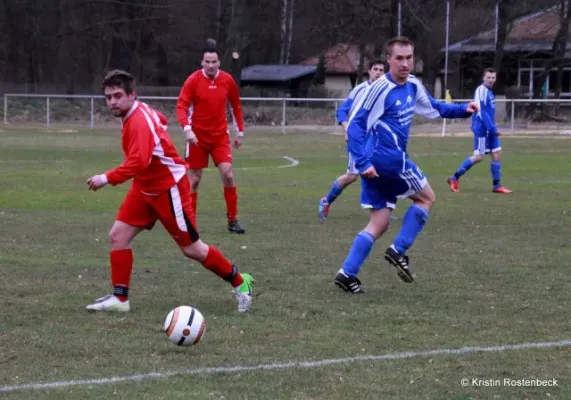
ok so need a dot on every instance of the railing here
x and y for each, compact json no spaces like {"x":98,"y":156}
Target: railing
{"x":90,"y":110}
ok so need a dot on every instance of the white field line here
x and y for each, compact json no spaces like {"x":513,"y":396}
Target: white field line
{"x":292,"y":163}
{"x":283,"y":365}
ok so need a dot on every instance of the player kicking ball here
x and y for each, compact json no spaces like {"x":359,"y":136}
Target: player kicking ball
{"x":160,"y":191}
{"x":486,"y":136}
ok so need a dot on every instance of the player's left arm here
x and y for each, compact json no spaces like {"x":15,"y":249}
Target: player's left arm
{"x":429,"y":107}
{"x":139,"y":152}
{"x":234,"y":99}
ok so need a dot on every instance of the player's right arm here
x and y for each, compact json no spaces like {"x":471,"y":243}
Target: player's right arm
{"x":370,"y":107}
{"x":139,"y":150}
{"x":183,"y":105}
{"x":485,"y":110}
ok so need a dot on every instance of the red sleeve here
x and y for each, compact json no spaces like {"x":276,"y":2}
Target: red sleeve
{"x":139,"y":151}
{"x":184,"y":100}
{"x":162,"y":118}
{"x":234,"y":98}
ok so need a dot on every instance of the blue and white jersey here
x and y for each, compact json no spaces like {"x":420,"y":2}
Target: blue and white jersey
{"x":380,"y":126}
{"x":483,"y":123}
{"x":348,"y":106}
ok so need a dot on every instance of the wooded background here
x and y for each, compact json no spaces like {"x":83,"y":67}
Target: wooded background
{"x":65,"y":46}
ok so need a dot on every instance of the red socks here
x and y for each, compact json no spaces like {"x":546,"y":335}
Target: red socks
{"x":231,"y":197}
{"x":121,"y":267}
{"x":221,"y":266}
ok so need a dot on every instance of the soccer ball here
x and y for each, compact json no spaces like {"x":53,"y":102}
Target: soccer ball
{"x":184,"y":326}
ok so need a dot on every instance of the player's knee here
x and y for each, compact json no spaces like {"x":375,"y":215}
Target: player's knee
{"x":118,"y":238}
{"x":496,"y":155}
{"x":351,"y":178}
{"x":195,"y":177}
{"x":476,"y":158}
{"x":227,"y":176}
{"x":197,"y":251}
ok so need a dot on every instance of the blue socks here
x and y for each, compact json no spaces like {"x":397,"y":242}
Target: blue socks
{"x":360,"y":250}
{"x":412,"y":224}
{"x":496,"y":170}
{"x":334,"y":192}
{"x":463,"y":168}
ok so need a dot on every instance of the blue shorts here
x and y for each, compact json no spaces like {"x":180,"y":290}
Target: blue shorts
{"x":382,"y":192}
{"x":486,"y":144}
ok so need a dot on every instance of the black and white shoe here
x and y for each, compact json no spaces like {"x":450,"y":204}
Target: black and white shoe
{"x":401,"y":263}
{"x":235,"y":227}
{"x":351,"y":285}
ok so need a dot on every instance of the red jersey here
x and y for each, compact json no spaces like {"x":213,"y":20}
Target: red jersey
{"x":151,"y":158}
{"x":207,"y":98}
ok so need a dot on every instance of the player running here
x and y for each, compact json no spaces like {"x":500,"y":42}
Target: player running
{"x":160,"y":191}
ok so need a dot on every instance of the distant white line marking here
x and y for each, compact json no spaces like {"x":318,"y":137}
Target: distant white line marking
{"x":288,"y":365}
{"x":293,"y":163}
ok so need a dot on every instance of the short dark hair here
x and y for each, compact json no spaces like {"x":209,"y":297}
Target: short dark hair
{"x":490,"y":70}
{"x":121,"y":79}
{"x":376,"y":61}
{"x":210,"y":50}
{"x":402,"y":40}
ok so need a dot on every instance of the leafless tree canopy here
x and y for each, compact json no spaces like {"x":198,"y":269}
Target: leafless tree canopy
{"x":68,"y":44}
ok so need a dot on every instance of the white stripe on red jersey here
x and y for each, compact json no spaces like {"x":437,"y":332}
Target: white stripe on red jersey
{"x":151,"y":158}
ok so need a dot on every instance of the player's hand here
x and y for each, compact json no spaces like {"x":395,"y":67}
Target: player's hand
{"x":472,"y":107}
{"x":190,"y":136}
{"x":370,"y":172}
{"x":97,"y":182}
{"x":237,"y":143}
{"x":498,"y":134}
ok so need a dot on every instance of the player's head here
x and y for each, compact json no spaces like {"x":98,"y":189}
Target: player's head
{"x":210,"y":61}
{"x":119,"y":90}
{"x":400,"y":57}
{"x":489,"y":77}
{"x":376,"y":69}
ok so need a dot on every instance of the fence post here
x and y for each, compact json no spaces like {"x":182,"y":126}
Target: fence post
{"x":283,"y":115}
{"x":335,"y":115}
{"x":513,"y":117}
{"x":5,"y":110}
{"x":48,"y":111}
{"x":91,"y":122}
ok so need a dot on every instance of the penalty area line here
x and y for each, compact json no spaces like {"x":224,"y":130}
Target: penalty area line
{"x":284,"y":365}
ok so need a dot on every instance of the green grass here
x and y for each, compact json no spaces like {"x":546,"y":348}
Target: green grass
{"x":491,"y":270}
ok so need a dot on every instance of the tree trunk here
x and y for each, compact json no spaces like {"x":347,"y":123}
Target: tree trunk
{"x":290,"y":31}
{"x":503,"y":22}
{"x":283,"y":31}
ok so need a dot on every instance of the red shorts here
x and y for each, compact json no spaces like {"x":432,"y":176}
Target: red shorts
{"x":172,"y":208}
{"x":218,"y":147}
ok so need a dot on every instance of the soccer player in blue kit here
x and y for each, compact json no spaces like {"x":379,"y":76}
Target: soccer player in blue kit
{"x":378,"y":136}
{"x":486,"y":136}
{"x":376,"y":70}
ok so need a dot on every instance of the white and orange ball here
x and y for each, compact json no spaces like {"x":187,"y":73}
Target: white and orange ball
{"x":185,"y":326}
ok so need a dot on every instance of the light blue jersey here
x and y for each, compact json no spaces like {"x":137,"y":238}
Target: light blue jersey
{"x":348,"y":106}
{"x":378,"y":135}
{"x":483,"y":123}
{"x":486,"y":138}
{"x":345,"y":111}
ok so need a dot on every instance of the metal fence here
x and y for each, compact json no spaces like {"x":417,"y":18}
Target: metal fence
{"x":512,"y":115}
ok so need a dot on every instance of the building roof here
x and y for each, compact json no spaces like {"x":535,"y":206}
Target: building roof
{"x":532,"y":32}
{"x":277,"y":72}
{"x":342,"y":58}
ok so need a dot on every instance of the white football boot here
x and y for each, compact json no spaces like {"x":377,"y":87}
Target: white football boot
{"x":109,"y":303}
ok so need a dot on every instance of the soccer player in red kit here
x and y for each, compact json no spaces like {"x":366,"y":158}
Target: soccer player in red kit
{"x":160,"y":191}
{"x":205,"y":94}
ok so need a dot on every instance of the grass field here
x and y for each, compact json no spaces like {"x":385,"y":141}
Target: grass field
{"x":490,"y":270}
